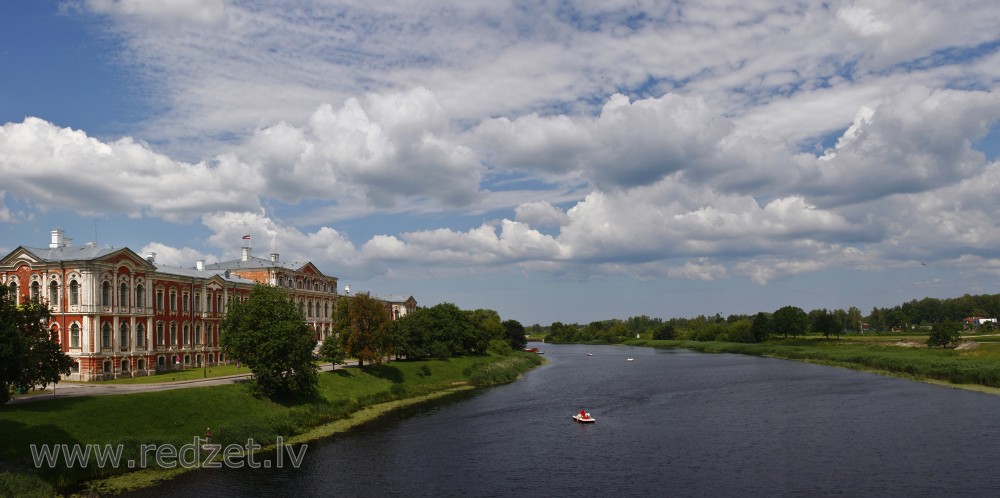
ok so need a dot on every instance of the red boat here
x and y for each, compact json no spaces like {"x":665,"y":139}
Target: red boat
{"x":584,"y":418}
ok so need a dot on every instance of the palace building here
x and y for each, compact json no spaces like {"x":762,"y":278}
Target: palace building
{"x":117,"y":313}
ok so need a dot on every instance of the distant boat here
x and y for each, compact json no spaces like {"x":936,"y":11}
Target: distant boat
{"x":584,"y":418}
{"x":630,"y":359}
{"x":590,"y":354}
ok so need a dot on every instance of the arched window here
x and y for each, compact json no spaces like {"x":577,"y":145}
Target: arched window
{"x":173,"y":300}
{"x":13,"y":292}
{"x":74,"y":335}
{"x":106,"y":335}
{"x":140,"y":335}
{"x":140,"y":365}
{"x":309,"y":308}
{"x":187,"y":335}
{"x":107,"y":367}
{"x":173,"y":334}
{"x":123,"y":294}
{"x":35,"y":290}
{"x":53,"y":293}
{"x":140,"y":296}
{"x":197,"y":334}
{"x":123,"y":336}
{"x":106,"y":293}
{"x":74,"y":293}
{"x":159,"y":334}
{"x":159,"y":300}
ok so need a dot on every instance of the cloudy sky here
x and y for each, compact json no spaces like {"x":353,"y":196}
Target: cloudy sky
{"x":551,"y":160}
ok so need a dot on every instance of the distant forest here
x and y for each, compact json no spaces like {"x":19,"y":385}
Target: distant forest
{"x":913,"y":316}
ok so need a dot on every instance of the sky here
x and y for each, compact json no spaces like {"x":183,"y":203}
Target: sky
{"x":551,"y":160}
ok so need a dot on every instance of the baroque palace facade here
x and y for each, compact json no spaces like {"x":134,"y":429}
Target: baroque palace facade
{"x":116,"y":313}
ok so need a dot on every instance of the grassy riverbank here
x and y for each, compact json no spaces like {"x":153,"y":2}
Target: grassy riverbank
{"x":979,"y":366}
{"x":175,"y":417}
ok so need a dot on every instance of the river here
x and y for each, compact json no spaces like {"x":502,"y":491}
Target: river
{"x":669,"y":423}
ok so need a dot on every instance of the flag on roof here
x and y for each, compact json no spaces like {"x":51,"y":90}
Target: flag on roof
{"x":246,"y":237}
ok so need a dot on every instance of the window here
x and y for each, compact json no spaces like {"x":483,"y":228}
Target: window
{"x":53,"y":293}
{"x":13,"y":292}
{"x":74,"y":293}
{"x":106,"y":293}
{"x":197,"y":334}
{"x":123,"y":336}
{"x":161,"y":361}
{"x":159,"y":334}
{"x":141,"y":364}
{"x":197,"y":302}
{"x":173,"y":334}
{"x":35,"y":290}
{"x":74,"y":335}
{"x":106,"y":335}
{"x":124,"y":365}
{"x":185,"y":302}
{"x":159,"y":300}
{"x":140,"y":296}
{"x":140,"y":335}
{"x":218,"y":303}
{"x":173,"y":301}
{"x":187,"y":335}
{"x":75,"y":368}
{"x":123,"y":294}
{"x":107,"y":367}
{"x":309,"y":308}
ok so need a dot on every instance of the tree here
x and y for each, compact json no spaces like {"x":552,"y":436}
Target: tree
{"x":268,"y":333}
{"x":790,"y":320}
{"x":761,"y":327}
{"x":365,"y":328}
{"x":664,"y":332}
{"x":332,"y":350}
{"x":29,"y":354}
{"x":944,"y":334}
{"x":825,"y":323}
{"x":515,"y":334}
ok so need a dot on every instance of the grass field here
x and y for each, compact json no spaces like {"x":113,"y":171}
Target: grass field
{"x":233,"y":414}
{"x":979,"y":366}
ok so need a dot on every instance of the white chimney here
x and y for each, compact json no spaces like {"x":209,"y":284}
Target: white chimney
{"x":151,"y":257}
{"x":201,"y":265}
{"x":274,"y":257}
{"x":347,"y":289}
{"x":246,"y":254}
{"x":57,"y":239}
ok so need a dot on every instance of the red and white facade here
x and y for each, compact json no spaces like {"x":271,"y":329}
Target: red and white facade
{"x":119,"y":314}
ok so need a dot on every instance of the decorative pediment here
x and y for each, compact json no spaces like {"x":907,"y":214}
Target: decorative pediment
{"x":128,"y":258}
{"x":18,"y":257}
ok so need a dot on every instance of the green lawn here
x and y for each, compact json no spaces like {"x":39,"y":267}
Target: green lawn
{"x":178,"y":375}
{"x":177,"y":416}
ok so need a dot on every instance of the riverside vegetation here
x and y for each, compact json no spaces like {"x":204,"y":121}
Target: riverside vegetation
{"x":446,"y":350}
{"x":232,"y":411}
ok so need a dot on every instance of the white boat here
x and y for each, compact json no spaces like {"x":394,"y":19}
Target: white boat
{"x":630,"y":359}
{"x":590,"y":354}
{"x":584,"y":418}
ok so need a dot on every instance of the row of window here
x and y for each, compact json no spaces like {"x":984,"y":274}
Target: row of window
{"x":161,"y":361}
{"x":315,"y":285}
{"x":209,"y":337}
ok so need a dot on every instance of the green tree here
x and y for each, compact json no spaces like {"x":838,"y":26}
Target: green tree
{"x":825,"y":323}
{"x":268,"y":333}
{"x":332,"y":350}
{"x":29,"y":354}
{"x":365,"y":331}
{"x":761,"y":327}
{"x":515,"y":334}
{"x":664,"y":332}
{"x":790,"y":320}
{"x":944,"y":334}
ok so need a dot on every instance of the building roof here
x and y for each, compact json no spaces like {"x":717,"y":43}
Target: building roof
{"x":70,"y":253}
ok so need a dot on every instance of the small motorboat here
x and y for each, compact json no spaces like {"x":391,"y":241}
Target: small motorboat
{"x":630,"y":359}
{"x":590,"y":354}
{"x":584,"y":418}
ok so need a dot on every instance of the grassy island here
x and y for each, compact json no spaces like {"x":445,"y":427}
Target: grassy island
{"x":346,"y":397}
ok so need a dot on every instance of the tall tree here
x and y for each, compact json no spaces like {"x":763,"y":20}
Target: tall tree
{"x":761,"y":327}
{"x":790,"y":320}
{"x":515,"y":334}
{"x":269,"y":334}
{"x":29,"y":354}
{"x":366,"y":333}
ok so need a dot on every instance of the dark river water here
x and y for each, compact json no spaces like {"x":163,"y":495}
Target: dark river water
{"x":669,"y":423}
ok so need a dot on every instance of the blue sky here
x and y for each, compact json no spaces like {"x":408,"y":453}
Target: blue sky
{"x":553,"y":161}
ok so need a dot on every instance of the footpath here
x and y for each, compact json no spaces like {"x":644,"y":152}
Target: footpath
{"x":75,"y":389}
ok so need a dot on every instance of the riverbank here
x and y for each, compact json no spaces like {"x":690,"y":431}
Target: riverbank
{"x":975,"y":369}
{"x":346,"y":398}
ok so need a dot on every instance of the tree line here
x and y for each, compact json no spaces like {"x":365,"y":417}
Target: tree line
{"x":934,"y":316}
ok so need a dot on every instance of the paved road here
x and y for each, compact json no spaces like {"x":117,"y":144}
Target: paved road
{"x":72,"y":389}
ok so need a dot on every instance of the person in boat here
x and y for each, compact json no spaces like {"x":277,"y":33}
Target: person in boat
{"x":583,"y":414}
